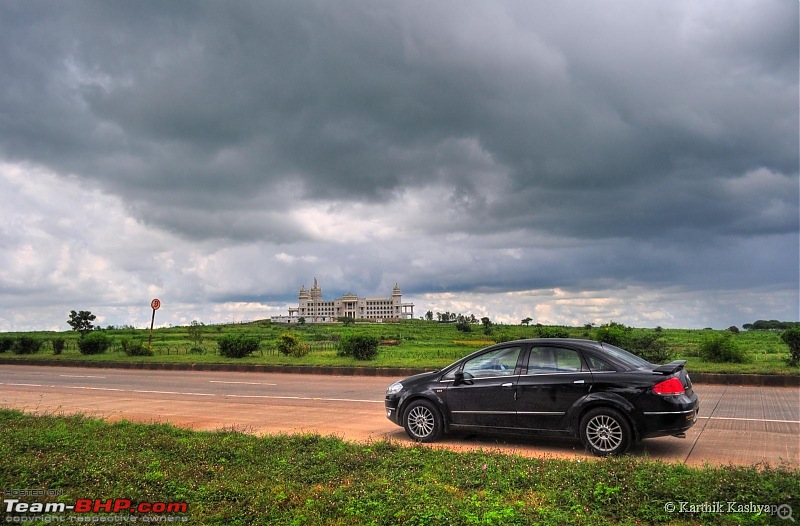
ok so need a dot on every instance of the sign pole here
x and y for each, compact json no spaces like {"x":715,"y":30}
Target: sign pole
{"x":155,"y":305}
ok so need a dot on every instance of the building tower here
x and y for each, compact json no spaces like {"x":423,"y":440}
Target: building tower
{"x":396,"y":301}
{"x":316,"y":298}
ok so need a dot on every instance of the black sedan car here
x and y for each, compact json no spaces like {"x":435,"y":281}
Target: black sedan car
{"x":605,"y":395}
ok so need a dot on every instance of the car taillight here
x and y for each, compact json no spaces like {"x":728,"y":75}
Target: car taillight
{"x":670,"y":387}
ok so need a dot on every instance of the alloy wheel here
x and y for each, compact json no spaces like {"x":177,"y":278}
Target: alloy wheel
{"x":604,"y":433}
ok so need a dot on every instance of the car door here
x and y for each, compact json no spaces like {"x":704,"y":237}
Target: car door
{"x":553,"y":379}
{"x":482,"y":391}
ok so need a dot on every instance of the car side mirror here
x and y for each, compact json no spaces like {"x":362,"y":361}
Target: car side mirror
{"x":463,"y":378}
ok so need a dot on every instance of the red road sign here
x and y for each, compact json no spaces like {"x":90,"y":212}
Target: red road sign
{"x":155,"y":304}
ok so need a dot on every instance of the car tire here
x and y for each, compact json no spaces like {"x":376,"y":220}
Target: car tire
{"x":604,"y":431}
{"x":422,"y":421}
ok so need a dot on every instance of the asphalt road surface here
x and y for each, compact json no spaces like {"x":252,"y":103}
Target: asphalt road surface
{"x":736,"y":425}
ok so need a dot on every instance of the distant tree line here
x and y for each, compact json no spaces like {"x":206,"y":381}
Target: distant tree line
{"x":770,"y":325}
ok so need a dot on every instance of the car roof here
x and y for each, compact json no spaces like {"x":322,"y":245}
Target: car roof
{"x":538,"y":341}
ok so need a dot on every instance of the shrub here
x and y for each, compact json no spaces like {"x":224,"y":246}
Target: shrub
{"x":95,"y":342}
{"x":197,"y":350}
{"x":614,"y":333}
{"x":347,"y":320}
{"x":464,"y":326}
{"x":721,"y":348}
{"x":6,"y":344}
{"x":135,"y":348}
{"x":649,"y":346}
{"x":551,"y":332}
{"x":237,"y":346}
{"x":290,"y":345}
{"x":791,"y":337}
{"x":503,"y":337}
{"x":58,"y":345}
{"x":359,"y":347}
{"x":26,"y":345}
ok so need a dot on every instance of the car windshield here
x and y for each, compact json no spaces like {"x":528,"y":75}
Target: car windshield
{"x":625,"y":357}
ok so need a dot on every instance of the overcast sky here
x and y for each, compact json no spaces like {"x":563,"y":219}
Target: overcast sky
{"x":572,"y":162}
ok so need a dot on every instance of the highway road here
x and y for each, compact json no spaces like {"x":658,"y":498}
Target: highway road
{"x":737,"y":425}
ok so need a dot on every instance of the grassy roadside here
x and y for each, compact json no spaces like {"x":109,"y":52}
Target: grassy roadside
{"x":417,"y":344}
{"x":233,"y":478}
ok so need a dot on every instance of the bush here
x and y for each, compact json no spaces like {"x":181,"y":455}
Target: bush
{"x":551,"y":332}
{"x":26,"y":345}
{"x":464,"y":326}
{"x":135,"y":348}
{"x":358,"y":347}
{"x":197,"y":350}
{"x":614,"y":333}
{"x":237,"y":346}
{"x":95,"y":342}
{"x":6,"y":344}
{"x":291,"y":345}
{"x":503,"y":337}
{"x":791,"y":337}
{"x":721,"y":348}
{"x":58,"y":345}
{"x":649,"y":346}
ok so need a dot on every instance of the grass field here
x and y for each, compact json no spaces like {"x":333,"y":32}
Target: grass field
{"x":408,"y":344}
{"x":236,"y":479}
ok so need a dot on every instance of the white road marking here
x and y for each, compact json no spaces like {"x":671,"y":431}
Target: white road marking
{"x":306,"y":398}
{"x":171,"y":392}
{"x":750,"y":419}
{"x":86,"y":388}
{"x":241,"y":383}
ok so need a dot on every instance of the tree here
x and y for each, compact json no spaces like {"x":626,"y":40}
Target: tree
{"x":429,"y":315}
{"x":487,"y":325}
{"x":81,"y":321}
{"x":791,"y":337}
{"x":195,"y":331}
{"x":526,"y":322}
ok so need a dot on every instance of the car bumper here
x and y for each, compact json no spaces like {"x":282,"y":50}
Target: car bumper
{"x":390,"y":404}
{"x":670,"y":422}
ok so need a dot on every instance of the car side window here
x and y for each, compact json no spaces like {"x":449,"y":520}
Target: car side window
{"x":544,"y":360}
{"x":596,"y":364}
{"x":500,"y":362}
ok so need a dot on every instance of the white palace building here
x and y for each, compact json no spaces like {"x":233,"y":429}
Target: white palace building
{"x":313,"y":309}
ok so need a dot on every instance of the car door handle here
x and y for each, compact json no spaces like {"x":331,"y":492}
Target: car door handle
{"x":579,"y":382}
{"x":508,"y":385}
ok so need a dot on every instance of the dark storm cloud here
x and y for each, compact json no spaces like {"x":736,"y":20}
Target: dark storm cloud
{"x":647,"y":134}
{"x":198,"y":104}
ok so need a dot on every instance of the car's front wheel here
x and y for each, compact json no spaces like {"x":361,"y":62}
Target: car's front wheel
{"x":422,"y":421}
{"x":604,"y":431}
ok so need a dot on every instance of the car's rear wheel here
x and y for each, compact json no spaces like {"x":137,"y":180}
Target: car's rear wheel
{"x":604,"y":431}
{"x":422,"y":421}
